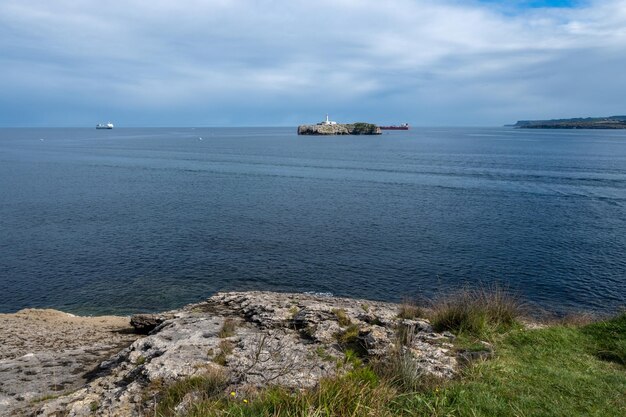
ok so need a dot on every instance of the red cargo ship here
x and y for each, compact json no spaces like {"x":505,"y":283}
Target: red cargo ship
{"x":403,"y":126}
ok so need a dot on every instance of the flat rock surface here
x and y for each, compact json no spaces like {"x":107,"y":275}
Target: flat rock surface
{"x":45,"y":353}
{"x":255,"y":339}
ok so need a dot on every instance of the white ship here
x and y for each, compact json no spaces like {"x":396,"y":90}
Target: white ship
{"x":104,"y":126}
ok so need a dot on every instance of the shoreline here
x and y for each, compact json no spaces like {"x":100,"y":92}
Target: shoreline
{"x":72,"y":361}
{"x":55,"y":363}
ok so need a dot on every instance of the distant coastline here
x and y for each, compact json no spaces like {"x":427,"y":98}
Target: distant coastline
{"x":611,"y":122}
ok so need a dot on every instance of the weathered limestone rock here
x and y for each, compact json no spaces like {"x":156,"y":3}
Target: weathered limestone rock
{"x":46,"y":353}
{"x":340,"y":129}
{"x":254,"y":339}
{"x":145,"y":323}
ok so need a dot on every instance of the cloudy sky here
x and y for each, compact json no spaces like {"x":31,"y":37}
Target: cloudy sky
{"x":281,"y":63}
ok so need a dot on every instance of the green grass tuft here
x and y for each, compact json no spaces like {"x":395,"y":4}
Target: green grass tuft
{"x":342,"y":317}
{"x":477,"y":312}
{"x":203,"y":387}
{"x":349,"y":335}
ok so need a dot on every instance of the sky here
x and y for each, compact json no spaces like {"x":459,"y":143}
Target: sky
{"x":284,"y":63}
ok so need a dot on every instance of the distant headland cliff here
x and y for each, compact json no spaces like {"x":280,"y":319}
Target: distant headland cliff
{"x":329,"y":127}
{"x":612,"y":122}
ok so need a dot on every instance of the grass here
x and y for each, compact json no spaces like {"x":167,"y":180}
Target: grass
{"x":476,"y":312}
{"x":608,"y":338}
{"x":561,"y":370}
{"x":228,"y":328}
{"x":553,"y":371}
{"x":342,"y":317}
{"x":203,"y":387}
{"x":226,"y":348}
{"x":349,"y":342}
{"x":324,"y":355}
{"x":293,"y":311}
{"x":348,"y":336}
{"x":410,"y":310}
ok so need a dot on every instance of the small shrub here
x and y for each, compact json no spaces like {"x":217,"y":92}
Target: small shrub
{"x":228,"y":328}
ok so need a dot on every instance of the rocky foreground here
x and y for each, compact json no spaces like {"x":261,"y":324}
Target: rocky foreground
{"x":257,"y":339}
{"x":45,"y":353}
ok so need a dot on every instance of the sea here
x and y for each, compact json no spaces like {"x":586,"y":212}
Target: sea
{"x":149,"y":219}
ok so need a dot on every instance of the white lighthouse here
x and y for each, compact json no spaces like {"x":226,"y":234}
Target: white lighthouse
{"x":328,"y":122}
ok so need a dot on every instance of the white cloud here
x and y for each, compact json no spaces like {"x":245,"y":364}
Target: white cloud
{"x":419,"y":60}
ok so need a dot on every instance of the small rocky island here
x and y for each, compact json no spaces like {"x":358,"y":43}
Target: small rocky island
{"x":328,"y":127}
{"x":612,"y":122}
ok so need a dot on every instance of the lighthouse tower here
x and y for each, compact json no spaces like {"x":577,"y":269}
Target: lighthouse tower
{"x":328,"y":122}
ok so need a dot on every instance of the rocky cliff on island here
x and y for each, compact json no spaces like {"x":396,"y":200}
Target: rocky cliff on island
{"x":244,"y":340}
{"x":340,"y":129}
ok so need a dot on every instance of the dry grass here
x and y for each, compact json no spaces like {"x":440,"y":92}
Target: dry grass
{"x":475,"y":311}
{"x":226,"y":348}
{"x":202,"y":387}
{"x":410,"y":310}
{"x":342,"y":317}
{"x":228,"y":328}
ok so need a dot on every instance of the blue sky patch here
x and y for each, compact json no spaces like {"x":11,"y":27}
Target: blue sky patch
{"x":536,"y":3}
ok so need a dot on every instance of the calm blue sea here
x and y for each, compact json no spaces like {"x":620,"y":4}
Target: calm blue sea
{"x":128,"y":220}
